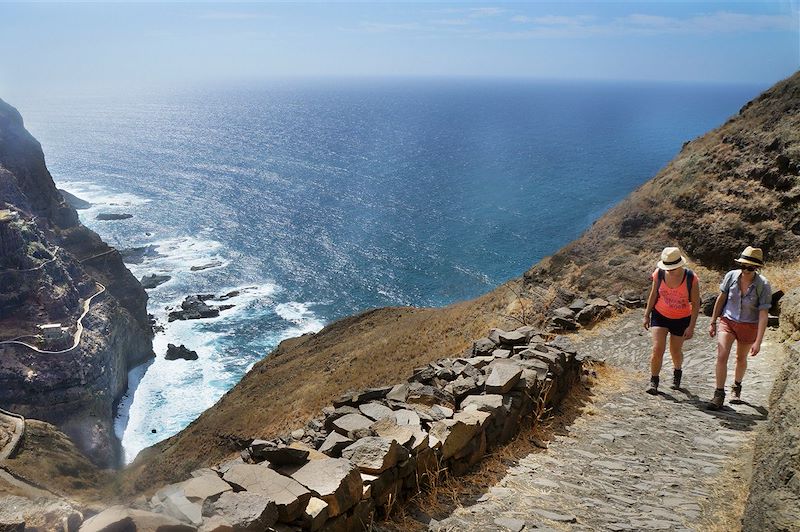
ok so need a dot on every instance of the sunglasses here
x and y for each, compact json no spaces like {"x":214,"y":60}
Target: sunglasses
{"x":749,"y":268}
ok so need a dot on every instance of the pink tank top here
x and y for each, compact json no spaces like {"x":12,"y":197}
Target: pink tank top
{"x":673,"y":303}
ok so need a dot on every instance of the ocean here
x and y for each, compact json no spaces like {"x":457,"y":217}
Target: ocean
{"x":318,"y":199}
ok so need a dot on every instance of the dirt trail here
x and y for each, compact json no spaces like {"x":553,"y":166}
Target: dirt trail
{"x":634,"y":461}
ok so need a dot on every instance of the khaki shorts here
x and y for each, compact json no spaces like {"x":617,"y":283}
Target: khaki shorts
{"x":745,"y":333}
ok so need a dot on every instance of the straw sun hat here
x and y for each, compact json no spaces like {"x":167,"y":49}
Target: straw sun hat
{"x":752,"y":256}
{"x":671,"y":258}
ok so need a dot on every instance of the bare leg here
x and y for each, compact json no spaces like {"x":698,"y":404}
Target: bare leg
{"x":676,"y":351}
{"x":742,"y":350}
{"x":659,"y":346}
{"x":724,"y":344}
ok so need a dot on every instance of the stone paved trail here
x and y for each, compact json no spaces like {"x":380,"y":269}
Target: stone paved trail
{"x":634,"y":461}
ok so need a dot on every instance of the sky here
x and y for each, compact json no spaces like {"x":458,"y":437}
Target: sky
{"x":97,"y":46}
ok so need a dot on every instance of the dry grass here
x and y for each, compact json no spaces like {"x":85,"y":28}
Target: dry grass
{"x":48,"y":458}
{"x":783,"y":276}
{"x":729,"y":493}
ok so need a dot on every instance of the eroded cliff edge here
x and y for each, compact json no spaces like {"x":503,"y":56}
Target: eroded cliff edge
{"x":54,"y":270}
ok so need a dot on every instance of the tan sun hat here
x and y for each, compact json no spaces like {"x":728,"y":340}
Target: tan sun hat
{"x":671,"y":258}
{"x":752,"y":256}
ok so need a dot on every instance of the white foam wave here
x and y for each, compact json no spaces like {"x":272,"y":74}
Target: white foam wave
{"x":301,"y":316}
{"x":101,"y":197}
{"x":181,"y":254}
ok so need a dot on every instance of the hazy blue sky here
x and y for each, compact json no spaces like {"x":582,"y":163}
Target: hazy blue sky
{"x":63,"y":46}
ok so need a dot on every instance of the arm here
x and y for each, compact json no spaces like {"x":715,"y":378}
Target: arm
{"x":719,"y":304}
{"x":763,"y":318}
{"x":651,"y":302}
{"x":695,"y":300}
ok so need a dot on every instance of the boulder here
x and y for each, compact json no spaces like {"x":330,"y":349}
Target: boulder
{"x":564,"y":324}
{"x":334,"y":480}
{"x":412,"y":437}
{"x":486,"y":403}
{"x":407,"y":417}
{"x":398,"y":393}
{"x":463,"y":386}
{"x":513,"y":338}
{"x":456,"y":433}
{"x":277,"y":454}
{"x":172,"y":501}
{"x":439,"y":412}
{"x":350,"y":424}
{"x":120,"y":518}
{"x":494,"y":335}
{"x":376,"y":411}
{"x":564,"y":313}
{"x":243,"y":511}
{"x":174,"y":352}
{"x":480,"y":361}
{"x":597,"y":302}
{"x":428,"y":395}
{"x":577,"y":305}
{"x":503,"y":377}
{"x":484,"y":346}
{"x":203,"y":487}
{"x":315,"y":514}
{"x":289,"y":496}
{"x":334,"y":444}
{"x":501,"y":353}
{"x":375,"y":454}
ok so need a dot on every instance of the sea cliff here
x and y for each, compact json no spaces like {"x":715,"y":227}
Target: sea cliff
{"x":55,"y":270}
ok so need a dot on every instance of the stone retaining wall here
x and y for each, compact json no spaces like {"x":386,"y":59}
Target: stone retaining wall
{"x":372,"y":449}
{"x":774,"y":501}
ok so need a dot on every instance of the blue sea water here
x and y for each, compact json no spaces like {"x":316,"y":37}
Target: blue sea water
{"x":320,"y":199}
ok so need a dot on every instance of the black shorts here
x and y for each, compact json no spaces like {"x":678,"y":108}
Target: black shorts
{"x":676,"y":326}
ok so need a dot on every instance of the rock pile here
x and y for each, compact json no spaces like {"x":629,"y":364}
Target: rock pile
{"x":582,"y":312}
{"x":373,"y":448}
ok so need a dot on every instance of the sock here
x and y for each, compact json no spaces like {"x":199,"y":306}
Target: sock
{"x":654,"y":379}
{"x":721,"y":390}
{"x":678,"y":373}
{"x":738,"y":384}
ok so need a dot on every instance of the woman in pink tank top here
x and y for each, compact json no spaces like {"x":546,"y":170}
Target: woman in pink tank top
{"x":672,"y":309}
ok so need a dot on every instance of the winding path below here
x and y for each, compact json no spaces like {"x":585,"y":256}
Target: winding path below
{"x":633,"y":461}
{"x":78,"y":329}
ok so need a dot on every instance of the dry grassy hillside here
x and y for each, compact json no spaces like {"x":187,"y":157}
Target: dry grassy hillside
{"x":735,"y":186}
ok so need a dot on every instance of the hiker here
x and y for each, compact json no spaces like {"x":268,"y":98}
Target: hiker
{"x":672,"y":309}
{"x":742,"y":307}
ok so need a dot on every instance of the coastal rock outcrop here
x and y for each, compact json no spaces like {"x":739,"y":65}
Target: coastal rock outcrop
{"x":50,"y":267}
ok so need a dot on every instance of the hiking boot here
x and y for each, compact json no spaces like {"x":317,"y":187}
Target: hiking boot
{"x":676,"y":379}
{"x":652,"y":388}
{"x":716,"y":402}
{"x":736,"y":390}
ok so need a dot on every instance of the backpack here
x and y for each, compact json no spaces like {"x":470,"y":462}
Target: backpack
{"x":689,"y":281}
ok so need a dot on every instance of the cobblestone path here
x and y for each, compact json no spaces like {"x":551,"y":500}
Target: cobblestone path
{"x":634,"y":461}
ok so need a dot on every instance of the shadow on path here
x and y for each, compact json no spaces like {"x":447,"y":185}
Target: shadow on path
{"x":729,"y":417}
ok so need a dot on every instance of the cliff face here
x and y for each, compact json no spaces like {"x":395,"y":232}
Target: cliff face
{"x":735,"y":186}
{"x":50,"y":266}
